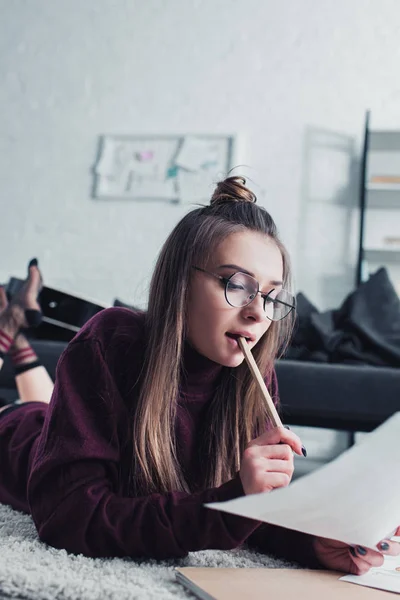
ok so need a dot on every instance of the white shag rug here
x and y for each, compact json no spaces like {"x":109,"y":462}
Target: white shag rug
{"x":31,"y":570}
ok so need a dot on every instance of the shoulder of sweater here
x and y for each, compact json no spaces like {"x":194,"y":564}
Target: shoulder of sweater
{"x":111,"y":327}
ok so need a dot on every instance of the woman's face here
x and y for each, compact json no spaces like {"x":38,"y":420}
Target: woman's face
{"x":210,"y":317}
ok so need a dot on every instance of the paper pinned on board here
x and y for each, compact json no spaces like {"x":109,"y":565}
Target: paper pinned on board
{"x":354,"y":499}
{"x":196,"y":154}
{"x":106,"y":163}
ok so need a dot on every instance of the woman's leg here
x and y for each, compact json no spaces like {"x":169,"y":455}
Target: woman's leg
{"x":33,"y":381}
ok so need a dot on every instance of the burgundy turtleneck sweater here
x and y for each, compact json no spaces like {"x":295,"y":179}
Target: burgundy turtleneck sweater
{"x":67,"y":463}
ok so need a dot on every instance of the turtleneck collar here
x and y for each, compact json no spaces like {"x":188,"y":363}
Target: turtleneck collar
{"x":199,"y":375}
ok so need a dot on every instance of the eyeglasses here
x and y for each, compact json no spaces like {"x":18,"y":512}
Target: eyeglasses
{"x":241,"y":289}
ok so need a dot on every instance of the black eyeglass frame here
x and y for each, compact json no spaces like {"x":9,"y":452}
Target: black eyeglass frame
{"x":264,"y":296}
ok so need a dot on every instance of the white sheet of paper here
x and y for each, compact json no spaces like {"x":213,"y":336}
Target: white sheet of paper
{"x":105,"y":165}
{"x":354,"y":499}
{"x":196,"y":152}
{"x":386,"y":577}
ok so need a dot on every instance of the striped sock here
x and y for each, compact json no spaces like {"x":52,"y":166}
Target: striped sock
{"x":5,"y":343}
{"x":23,"y":356}
{"x":27,"y":367}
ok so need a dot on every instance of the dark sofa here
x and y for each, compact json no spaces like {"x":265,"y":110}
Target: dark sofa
{"x":345,"y":397}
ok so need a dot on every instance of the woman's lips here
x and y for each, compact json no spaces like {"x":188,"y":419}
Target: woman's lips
{"x":233,"y":340}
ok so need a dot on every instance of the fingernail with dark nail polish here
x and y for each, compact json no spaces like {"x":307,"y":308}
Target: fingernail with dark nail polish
{"x":353,"y":552}
{"x":384,"y":546}
{"x":304,"y":451}
{"x":33,"y":263}
{"x":287,"y":427}
{"x":361,"y":550}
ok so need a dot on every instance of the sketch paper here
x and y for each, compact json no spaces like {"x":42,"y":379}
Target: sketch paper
{"x":196,"y":153}
{"x":386,"y":577}
{"x":354,"y":499}
{"x":173,"y":168}
{"x":136,"y":168}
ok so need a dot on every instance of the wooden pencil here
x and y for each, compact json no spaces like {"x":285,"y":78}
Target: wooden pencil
{"x":272,"y":412}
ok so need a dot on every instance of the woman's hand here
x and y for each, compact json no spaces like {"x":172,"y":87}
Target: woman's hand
{"x":353,"y":559}
{"x":267,"y":462}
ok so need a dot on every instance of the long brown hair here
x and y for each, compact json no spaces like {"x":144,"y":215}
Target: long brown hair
{"x":237,"y":408}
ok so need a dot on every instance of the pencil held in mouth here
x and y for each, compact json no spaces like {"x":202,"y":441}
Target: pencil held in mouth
{"x":272,"y":412}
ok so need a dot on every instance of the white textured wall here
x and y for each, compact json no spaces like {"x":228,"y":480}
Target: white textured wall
{"x":266,"y":69}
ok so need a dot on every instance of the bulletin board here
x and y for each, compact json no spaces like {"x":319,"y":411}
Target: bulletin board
{"x":177,"y":168}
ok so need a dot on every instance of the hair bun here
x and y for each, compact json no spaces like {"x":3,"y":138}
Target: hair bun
{"x":232,"y":189}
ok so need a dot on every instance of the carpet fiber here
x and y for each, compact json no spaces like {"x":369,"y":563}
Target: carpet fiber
{"x":29,"y":569}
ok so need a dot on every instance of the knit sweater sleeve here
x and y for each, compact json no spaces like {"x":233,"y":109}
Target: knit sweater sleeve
{"x":74,"y":487}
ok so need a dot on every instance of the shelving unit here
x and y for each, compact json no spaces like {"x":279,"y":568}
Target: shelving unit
{"x":379,"y":226}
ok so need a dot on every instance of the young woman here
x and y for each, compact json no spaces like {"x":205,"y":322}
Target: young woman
{"x":155,"y":413}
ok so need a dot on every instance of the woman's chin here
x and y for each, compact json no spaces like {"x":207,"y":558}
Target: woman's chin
{"x":232,"y":361}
